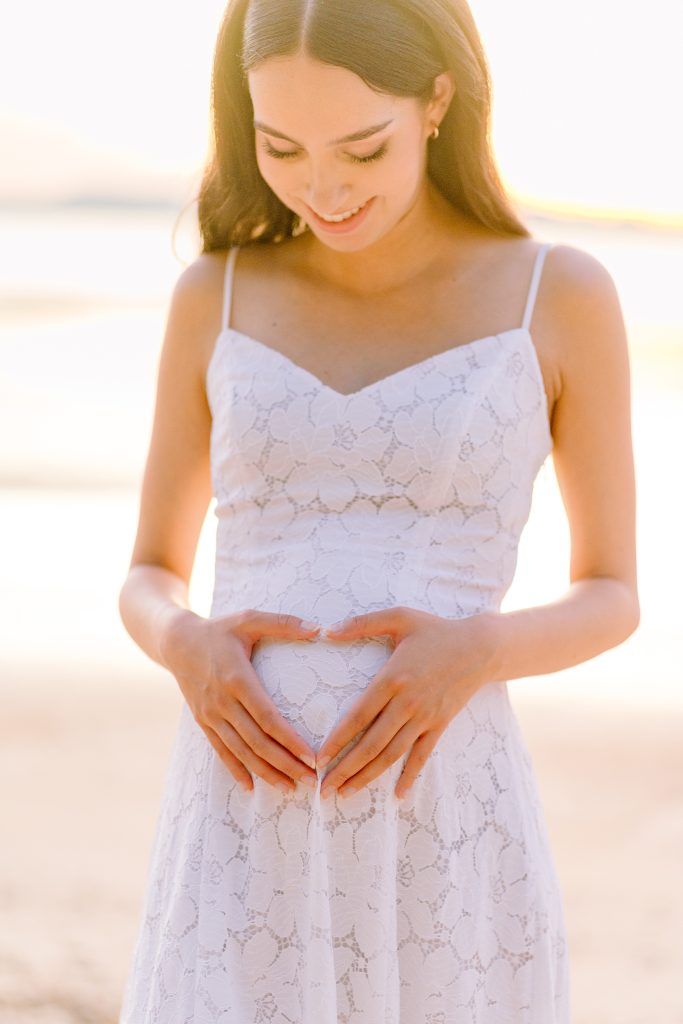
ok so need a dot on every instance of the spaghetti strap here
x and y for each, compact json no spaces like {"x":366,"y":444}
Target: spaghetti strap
{"x":535,"y":279}
{"x":227,"y":286}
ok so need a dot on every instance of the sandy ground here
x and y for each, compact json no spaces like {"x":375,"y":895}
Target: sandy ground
{"x":82,"y":761}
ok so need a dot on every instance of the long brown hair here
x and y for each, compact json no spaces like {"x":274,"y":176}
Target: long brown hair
{"x":395,"y":46}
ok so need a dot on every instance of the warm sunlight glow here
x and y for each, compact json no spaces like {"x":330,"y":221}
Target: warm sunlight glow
{"x":104,"y":130}
{"x":585,"y":103}
{"x":585,"y":100}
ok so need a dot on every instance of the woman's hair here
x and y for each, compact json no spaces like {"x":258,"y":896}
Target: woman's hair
{"x":396,"y":47}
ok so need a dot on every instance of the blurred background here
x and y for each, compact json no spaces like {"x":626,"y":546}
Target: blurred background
{"x":104,"y":130}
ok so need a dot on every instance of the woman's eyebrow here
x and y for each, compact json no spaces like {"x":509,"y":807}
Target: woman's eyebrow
{"x":364,"y":133}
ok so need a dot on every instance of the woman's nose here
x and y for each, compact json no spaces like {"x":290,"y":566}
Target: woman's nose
{"x":327,"y":203}
{"x":324,"y":196}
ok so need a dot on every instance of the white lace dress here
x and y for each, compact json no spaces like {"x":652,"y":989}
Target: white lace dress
{"x":443,"y":907}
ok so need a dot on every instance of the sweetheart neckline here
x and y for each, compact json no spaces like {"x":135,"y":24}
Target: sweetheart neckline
{"x":341,"y":396}
{"x":373,"y":384}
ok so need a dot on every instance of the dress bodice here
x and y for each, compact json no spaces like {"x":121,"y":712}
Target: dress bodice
{"x":415,"y":488}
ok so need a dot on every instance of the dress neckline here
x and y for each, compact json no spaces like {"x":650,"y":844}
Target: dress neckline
{"x":279,"y":356}
{"x":268,"y":351}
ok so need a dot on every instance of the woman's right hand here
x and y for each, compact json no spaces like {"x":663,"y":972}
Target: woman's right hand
{"x":210,"y":659}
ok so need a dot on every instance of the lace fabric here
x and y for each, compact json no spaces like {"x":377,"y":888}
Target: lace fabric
{"x":440,"y":908}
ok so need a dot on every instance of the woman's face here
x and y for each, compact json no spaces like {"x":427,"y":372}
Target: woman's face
{"x":302,"y":108}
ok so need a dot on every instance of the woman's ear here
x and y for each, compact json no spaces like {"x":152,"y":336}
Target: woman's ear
{"x":443,"y":90}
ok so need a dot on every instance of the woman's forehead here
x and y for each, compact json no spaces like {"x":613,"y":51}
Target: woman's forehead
{"x":296,"y":93}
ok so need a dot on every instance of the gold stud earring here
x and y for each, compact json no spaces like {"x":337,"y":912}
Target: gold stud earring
{"x":435,"y":133}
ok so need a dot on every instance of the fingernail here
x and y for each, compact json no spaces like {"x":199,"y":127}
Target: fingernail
{"x":310,"y":761}
{"x":322,"y":761}
{"x":336,"y":625}
{"x":308,"y":781}
{"x":283,"y":786}
{"x":347,"y":790}
{"x":309,"y":624}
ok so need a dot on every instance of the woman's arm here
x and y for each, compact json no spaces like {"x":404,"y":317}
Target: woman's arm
{"x":593,"y":460}
{"x":176,"y":487}
{"x":151,"y":602}
{"x":210,"y":658}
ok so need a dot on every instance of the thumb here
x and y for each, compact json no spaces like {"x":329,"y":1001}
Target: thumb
{"x":257,"y":623}
{"x":385,"y":622}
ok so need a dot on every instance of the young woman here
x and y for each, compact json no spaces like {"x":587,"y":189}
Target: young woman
{"x":366,"y":366}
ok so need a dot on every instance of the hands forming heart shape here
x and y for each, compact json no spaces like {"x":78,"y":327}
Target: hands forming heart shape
{"x":435,"y":667}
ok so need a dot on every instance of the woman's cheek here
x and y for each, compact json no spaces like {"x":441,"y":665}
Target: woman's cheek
{"x":404,"y":175}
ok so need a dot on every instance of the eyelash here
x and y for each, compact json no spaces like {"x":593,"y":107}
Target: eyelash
{"x":282,"y":155}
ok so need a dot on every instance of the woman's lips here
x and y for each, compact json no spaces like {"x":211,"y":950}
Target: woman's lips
{"x":342,"y":226}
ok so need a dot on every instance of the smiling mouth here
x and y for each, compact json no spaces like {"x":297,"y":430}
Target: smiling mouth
{"x":339,"y":218}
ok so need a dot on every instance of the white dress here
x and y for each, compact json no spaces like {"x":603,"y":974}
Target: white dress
{"x":443,"y":907}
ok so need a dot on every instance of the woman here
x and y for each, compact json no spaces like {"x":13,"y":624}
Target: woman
{"x":351,"y":829}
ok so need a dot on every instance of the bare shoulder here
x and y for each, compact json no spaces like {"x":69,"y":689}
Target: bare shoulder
{"x":199,"y":279}
{"x":200,"y":285}
{"x":202,"y":281}
{"x":580,"y":318}
{"x":578,"y":276}
{"x":196,"y":306}
{"x":584,"y":299}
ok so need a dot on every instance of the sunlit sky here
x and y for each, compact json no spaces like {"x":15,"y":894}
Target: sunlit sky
{"x":586,"y":98}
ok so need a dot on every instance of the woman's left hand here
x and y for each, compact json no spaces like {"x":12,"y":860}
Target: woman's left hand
{"x":436,"y":666}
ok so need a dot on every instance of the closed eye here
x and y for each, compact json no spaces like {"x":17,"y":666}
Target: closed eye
{"x":283,"y":154}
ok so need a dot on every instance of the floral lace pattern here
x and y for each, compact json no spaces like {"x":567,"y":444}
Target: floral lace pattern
{"x":443,"y":907}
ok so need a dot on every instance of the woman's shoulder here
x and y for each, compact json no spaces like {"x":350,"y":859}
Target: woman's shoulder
{"x":208,"y":267}
{"x":581,"y":321}
{"x":578,"y":275}
{"x":196,"y":305}
{"x":199,"y":286}
{"x":195,"y":308}
{"x":207,"y":271}
{"x":201,"y":275}
{"x":582,"y":300}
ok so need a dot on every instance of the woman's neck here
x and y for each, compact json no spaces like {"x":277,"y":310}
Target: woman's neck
{"x":412,"y":247}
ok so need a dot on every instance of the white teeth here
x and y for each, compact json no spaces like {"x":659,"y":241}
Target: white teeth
{"x":342,"y":216}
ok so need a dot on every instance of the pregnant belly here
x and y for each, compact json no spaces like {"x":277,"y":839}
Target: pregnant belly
{"x":315,"y":683}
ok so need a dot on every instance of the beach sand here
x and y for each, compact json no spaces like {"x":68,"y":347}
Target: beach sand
{"x":82,"y":763}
